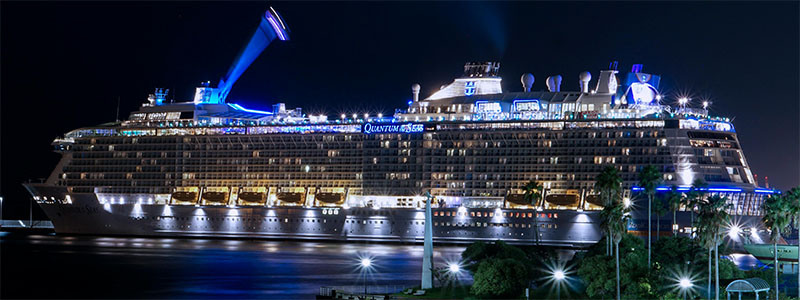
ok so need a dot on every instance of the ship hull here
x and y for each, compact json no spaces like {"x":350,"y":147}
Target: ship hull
{"x":85,"y":215}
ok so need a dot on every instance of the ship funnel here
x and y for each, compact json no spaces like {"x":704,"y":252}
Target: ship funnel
{"x":527,"y":81}
{"x":607,"y":83}
{"x":585,"y":77}
{"x":415,"y":91}
{"x":554,"y":83}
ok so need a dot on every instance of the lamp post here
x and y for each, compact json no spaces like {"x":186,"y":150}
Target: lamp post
{"x":559,"y":275}
{"x":683,"y":101}
{"x":685,"y":284}
{"x":1,"y":211}
{"x":453,"y":269}
{"x":366,"y":263}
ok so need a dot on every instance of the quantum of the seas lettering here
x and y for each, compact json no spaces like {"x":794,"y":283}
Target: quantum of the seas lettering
{"x":393,"y":128}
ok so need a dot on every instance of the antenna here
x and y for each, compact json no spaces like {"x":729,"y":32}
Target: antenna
{"x":117,"y":108}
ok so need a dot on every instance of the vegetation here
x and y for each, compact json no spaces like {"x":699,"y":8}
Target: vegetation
{"x":597,"y":270}
{"x":614,"y":215}
{"x":617,"y":266}
{"x":793,"y":197}
{"x":711,"y":221}
{"x":499,"y":278}
{"x":674,"y":201}
{"x":499,"y":270}
{"x":649,"y":179}
{"x":776,"y":219}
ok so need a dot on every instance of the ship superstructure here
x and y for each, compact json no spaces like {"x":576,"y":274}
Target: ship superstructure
{"x":208,"y":167}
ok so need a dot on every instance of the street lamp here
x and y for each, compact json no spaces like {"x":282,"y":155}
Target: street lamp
{"x":685,"y":284}
{"x":734,"y":230}
{"x":559,"y":275}
{"x":454,"y":268}
{"x":683,"y":101}
{"x":366,"y":264}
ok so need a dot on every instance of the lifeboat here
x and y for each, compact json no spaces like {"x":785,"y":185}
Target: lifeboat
{"x":329,"y":198}
{"x":215,"y":198}
{"x":187,"y":198}
{"x":290,"y":197}
{"x":517,"y":199}
{"x":252,"y":198}
{"x":563,"y":199}
{"x":594,"y":199}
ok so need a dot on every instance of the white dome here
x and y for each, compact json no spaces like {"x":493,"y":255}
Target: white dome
{"x":586,"y":76}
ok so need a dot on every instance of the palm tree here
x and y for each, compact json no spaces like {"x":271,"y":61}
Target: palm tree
{"x":711,"y":220}
{"x":618,"y":227}
{"x":674,"y":200}
{"x":794,"y":211}
{"x":614,"y":215}
{"x":533,"y":194}
{"x":659,"y":210}
{"x":694,"y":197}
{"x":776,"y":219}
{"x":649,"y":179}
{"x":609,"y":186}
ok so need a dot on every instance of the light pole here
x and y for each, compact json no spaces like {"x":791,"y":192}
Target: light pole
{"x":559,"y":275}
{"x":1,"y":211}
{"x":365,"y":264}
{"x":685,"y":284}
{"x":453,"y":269}
{"x":683,"y":101}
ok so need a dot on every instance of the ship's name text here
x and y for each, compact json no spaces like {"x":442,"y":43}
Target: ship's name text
{"x":393,"y":128}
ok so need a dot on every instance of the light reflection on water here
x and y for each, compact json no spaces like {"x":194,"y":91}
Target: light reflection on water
{"x":117,"y":267}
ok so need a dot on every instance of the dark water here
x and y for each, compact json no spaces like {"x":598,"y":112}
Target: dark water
{"x":49,"y":266}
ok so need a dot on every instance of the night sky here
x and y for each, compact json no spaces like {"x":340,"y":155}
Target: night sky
{"x":63,"y":65}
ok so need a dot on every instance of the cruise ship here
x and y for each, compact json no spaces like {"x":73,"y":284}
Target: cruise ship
{"x":208,"y":167}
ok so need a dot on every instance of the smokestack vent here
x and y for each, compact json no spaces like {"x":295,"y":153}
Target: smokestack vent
{"x":554,"y":83}
{"x":527,"y":81}
{"x":585,"y":77}
{"x":415,"y":91}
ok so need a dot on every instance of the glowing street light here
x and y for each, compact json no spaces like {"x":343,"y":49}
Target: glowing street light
{"x":734,"y":230}
{"x":451,"y":271}
{"x":344,"y":116}
{"x":686,"y":285}
{"x":559,"y":273}
{"x":683,"y":280}
{"x":683,"y":101}
{"x":705,"y":104}
{"x":626,"y":202}
{"x":454,"y":268}
{"x":559,"y":276}
{"x":365,"y":263}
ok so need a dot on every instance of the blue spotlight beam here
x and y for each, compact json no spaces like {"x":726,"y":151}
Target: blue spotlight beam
{"x":270,"y":28}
